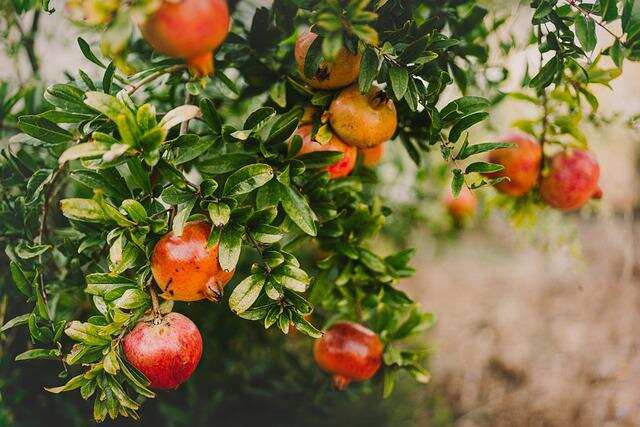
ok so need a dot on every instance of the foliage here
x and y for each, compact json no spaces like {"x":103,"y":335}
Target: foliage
{"x":96,"y":173}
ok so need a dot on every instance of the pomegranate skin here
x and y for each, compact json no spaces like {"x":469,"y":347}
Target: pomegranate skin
{"x":167,"y":353}
{"x":371,"y":156}
{"x":339,"y":169}
{"x":521,"y":164}
{"x":185,"y":269}
{"x":572,"y":180}
{"x":188,"y":29}
{"x":341,"y":72}
{"x":363,"y":121}
{"x":463,"y":206}
{"x":350,"y":352}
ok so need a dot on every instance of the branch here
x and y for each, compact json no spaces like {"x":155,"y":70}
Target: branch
{"x":587,"y":14}
{"x":153,"y":76}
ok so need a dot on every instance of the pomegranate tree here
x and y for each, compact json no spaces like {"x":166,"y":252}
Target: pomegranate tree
{"x":132,"y":176}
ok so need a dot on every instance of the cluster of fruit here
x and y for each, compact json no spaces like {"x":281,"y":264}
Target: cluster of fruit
{"x":569,"y":183}
{"x":360,"y":122}
{"x":167,"y":349}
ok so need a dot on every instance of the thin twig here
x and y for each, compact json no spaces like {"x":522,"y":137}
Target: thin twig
{"x":587,"y":14}
{"x":153,"y":76}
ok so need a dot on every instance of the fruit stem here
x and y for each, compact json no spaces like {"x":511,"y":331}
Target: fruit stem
{"x":155,"y":306}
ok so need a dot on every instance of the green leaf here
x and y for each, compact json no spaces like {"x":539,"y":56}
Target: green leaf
{"x":230,"y":246}
{"x":368,"y":69}
{"x":246,"y":293}
{"x":247,"y":179}
{"x":470,"y":150}
{"x":298,"y":209}
{"x":258,"y":118}
{"x":74,"y":383}
{"x":457,"y":182}
{"x":219,"y":213}
{"x":483,"y":167}
{"x":278,"y":93}
{"x":390,"y":376}
{"x":43,"y":129}
{"x":462,"y":107}
{"x":225,"y":163}
{"x":266,"y":234}
{"x":546,"y":74}
{"x":586,"y":32}
{"x":135,"y":210}
{"x":83,"y":151}
{"x":465,"y":123}
{"x":39,"y":353}
{"x":82,"y":210}
{"x":184,"y":210}
{"x":313,"y":58}
{"x":305,"y":326}
{"x":20,"y":279}
{"x":16,"y":321}
{"x":210,"y":115}
{"x":399,"y":80}
{"x":174,"y":196}
{"x":86,"y":51}
{"x":107,"y":79}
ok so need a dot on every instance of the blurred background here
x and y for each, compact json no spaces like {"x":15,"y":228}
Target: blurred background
{"x":537,"y":326}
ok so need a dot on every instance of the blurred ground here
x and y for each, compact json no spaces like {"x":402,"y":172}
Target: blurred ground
{"x":525,"y":339}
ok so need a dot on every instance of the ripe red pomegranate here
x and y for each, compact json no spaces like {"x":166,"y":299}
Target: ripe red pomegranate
{"x":185,"y":269}
{"x":371,"y":156}
{"x":188,"y":29}
{"x":363,"y":121}
{"x":461,"y":207}
{"x":340,"y":72}
{"x":339,"y":169}
{"x":521,"y":164}
{"x":166,"y":351}
{"x":350,"y":352}
{"x":572,"y":180}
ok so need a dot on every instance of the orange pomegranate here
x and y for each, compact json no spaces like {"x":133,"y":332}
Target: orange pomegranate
{"x":521,"y":164}
{"x":340,"y":72}
{"x":371,"y":156}
{"x":461,"y":207}
{"x":339,"y":169}
{"x":350,"y":352}
{"x":185,"y":268}
{"x":363,"y":120}
{"x":188,"y":29}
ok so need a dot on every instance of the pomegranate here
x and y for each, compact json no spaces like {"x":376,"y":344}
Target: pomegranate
{"x":166,"y":350}
{"x":371,"y":156}
{"x":185,"y":269}
{"x":338,"y":169}
{"x":363,"y":121}
{"x":572,"y":180}
{"x":350,"y":352}
{"x":461,"y":207}
{"x":188,"y":29}
{"x":521,"y":164}
{"x":340,"y":72}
